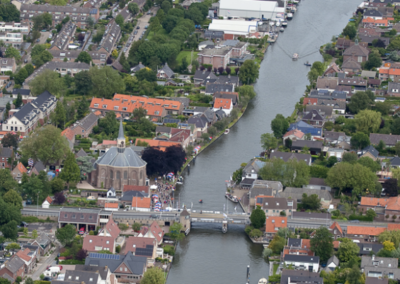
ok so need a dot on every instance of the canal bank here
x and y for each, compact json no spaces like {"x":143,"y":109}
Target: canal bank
{"x":207,"y":255}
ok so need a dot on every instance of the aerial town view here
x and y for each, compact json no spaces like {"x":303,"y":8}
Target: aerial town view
{"x":199,"y":141}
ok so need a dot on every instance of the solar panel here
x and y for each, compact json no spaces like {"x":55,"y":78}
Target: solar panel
{"x":103,"y":256}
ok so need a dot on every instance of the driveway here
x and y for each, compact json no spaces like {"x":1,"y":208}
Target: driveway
{"x":48,"y":228}
{"x":43,"y":37}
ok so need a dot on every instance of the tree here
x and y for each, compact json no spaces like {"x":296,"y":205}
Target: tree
{"x":7,"y":183}
{"x":257,"y":218}
{"x":354,"y":276}
{"x":368,"y":121}
{"x":374,"y":166}
{"x":246,"y":93}
{"x":21,"y":76}
{"x":12,"y":52}
{"x":28,"y":280}
{"x":29,"y":68}
{"x":18,"y":101}
{"x":146,"y":74}
{"x":392,"y":236}
{"x":133,"y":8}
{"x":10,"y":140}
{"x":175,"y":231}
{"x":34,"y":234}
{"x":350,"y":31}
{"x":391,"y":187}
{"x":8,"y":107}
{"x":279,"y":125}
{"x":56,"y":145}
{"x":84,"y":56}
{"x":57,"y":185}
{"x":383,"y":108}
{"x":312,"y":202}
{"x":288,"y":143}
{"x":322,"y":243}
{"x":153,"y":275}
{"x":312,"y":75}
{"x":13,"y":246}
{"x":371,"y":214}
{"x":109,"y":123}
{"x":66,"y":234}
{"x":331,"y":161}
{"x":268,"y":141}
{"x":359,"y":140}
{"x":267,"y":252}
{"x":175,"y":157}
{"x":85,"y":165}
{"x":388,"y":245}
{"x":59,"y":198}
{"x":71,"y":171}
{"x":81,"y":255}
{"x":136,"y":227}
{"x":119,"y":20}
{"x":59,"y":115}
{"x":359,"y":101}
{"x":357,"y":177}
{"x":374,"y":61}
{"x":106,"y":81}
{"x":47,"y":81}
{"x":350,"y":158}
{"x":14,"y":198}
{"x":248,"y":73}
{"x":10,"y":230}
{"x":277,"y":244}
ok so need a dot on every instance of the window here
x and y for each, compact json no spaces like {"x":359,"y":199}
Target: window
{"x":141,"y":174}
{"x":125,"y":175}
{"x":82,"y":217}
{"x":359,"y":59}
{"x":96,"y":105}
{"x":266,"y":211}
{"x":116,"y":107}
{"x":118,"y":175}
{"x":90,"y":217}
{"x":65,"y":215}
{"x":107,"y":242}
{"x":126,"y":269}
{"x":73,"y":216}
{"x":104,"y":106}
{"x":120,"y":269}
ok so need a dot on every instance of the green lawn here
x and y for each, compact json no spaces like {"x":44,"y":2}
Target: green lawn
{"x":275,"y":267}
{"x":186,"y":54}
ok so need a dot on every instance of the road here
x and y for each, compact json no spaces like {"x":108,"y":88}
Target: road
{"x":43,"y":265}
{"x":313,"y":223}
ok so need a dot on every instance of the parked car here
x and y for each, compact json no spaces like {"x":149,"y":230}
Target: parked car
{"x":24,"y":224}
{"x":135,"y":33}
{"x":138,"y":27}
{"x":154,"y":216}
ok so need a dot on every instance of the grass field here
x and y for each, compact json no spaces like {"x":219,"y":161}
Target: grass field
{"x":186,"y":54}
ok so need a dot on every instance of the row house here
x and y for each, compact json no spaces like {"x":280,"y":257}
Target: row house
{"x":98,"y":58}
{"x":389,"y":139}
{"x":28,"y":257}
{"x":12,"y":268}
{"x":360,"y":84}
{"x":275,"y":206}
{"x":63,"y":68}
{"x":78,"y":15}
{"x":370,"y":22}
{"x":27,"y":118}
{"x":385,"y":208}
{"x":15,"y":39}
{"x":111,"y":36}
{"x":182,"y":136}
{"x":393,"y":73}
{"x":367,"y":234}
{"x":217,"y":57}
{"x":125,"y":104}
{"x":88,"y":274}
{"x":7,"y":64}
{"x":380,"y":267}
{"x":64,"y":37}
{"x":106,"y":239}
{"x":88,"y":219}
{"x":14,"y":27}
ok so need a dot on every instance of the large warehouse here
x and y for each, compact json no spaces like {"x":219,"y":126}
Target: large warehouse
{"x":250,"y":9}
{"x":239,"y":28}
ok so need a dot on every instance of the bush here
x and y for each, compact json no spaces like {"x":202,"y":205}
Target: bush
{"x":255,"y":233}
{"x":168,"y":249}
{"x":91,"y":233}
{"x":118,"y":249}
{"x":123,"y":227}
{"x":72,"y":261}
{"x":248,"y":229}
{"x":361,"y":218}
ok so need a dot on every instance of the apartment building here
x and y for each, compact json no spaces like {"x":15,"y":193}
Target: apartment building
{"x":14,"y":27}
{"x":217,"y":57}
{"x":7,"y":64}
{"x":78,"y":15}
{"x":98,"y":58}
{"x":13,"y":39}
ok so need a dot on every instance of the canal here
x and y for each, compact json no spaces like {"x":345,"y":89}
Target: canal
{"x":207,"y":255}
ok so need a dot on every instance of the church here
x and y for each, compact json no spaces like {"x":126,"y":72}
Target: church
{"x":119,"y":166}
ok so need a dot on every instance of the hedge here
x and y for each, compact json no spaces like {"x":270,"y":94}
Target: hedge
{"x":361,"y":218}
{"x":72,"y":261}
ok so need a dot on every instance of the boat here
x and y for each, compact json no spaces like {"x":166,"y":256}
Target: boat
{"x":289,"y":16}
{"x":284,"y":24}
{"x":278,"y":23}
{"x":262,"y":281}
{"x":180,"y":180}
{"x":201,"y":201}
{"x":271,"y":39}
{"x":224,"y":226}
{"x":295,"y":56}
{"x":226,"y":131}
{"x":282,"y":29}
{"x":307,"y":64}
{"x":232,"y":198}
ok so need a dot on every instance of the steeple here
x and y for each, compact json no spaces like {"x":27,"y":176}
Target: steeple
{"x":121,"y":137}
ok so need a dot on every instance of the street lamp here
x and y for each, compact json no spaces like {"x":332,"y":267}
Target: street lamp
{"x":37,"y":205}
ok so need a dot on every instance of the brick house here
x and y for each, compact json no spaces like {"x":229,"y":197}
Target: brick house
{"x":273,"y":224}
{"x":356,"y":52}
{"x":385,"y":208}
{"x":146,"y":247}
{"x":7,"y":64}
{"x":336,"y":230}
{"x":88,"y":219}
{"x":238,"y":47}
{"x":85,"y":126}
{"x":367,"y":234}
{"x":43,"y":242}
{"x":98,"y":58}
{"x":28,"y":257}
{"x":165,"y":72}
{"x":70,"y":135}
{"x":154,"y":231}
{"x":13,"y":268}
{"x":274,"y":206}
{"x":18,"y":171}
{"x":98,"y":243}
{"x":217,"y":57}
{"x":5,"y":154}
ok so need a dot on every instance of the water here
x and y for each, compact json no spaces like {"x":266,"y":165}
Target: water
{"x":207,"y":255}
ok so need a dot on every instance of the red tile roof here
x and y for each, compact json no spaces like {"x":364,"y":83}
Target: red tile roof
{"x":143,"y":188}
{"x":91,"y":242}
{"x":111,"y":205}
{"x":222,"y":103}
{"x":360,"y":230}
{"x":336,"y":244}
{"x":274,"y":223}
{"x":111,"y":228}
{"x":310,"y":101}
{"x":336,"y":225}
{"x":23,"y":254}
{"x":141,"y":202}
{"x":109,"y":142}
{"x":49,"y":200}
{"x":392,"y":227}
{"x":297,"y":133}
{"x":21,"y":168}
{"x":162,"y":145}
{"x":157,"y":232}
{"x":390,"y":203}
{"x":68,"y":133}
{"x":132,"y":243}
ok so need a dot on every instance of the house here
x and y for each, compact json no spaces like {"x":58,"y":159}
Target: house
{"x":63,"y":68}
{"x":84,"y":127}
{"x":306,"y":129}
{"x":127,"y":197}
{"x":203,"y":44}
{"x":214,"y":35}
{"x":368,"y":248}
{"x":200,"y":124}
{"x":99,"y":57}
{"x":323,"y":108}
{"x":368,"y":74}
{"x":204,"y":77}
{"x":25,"y":94}
{"x":358,"y":83}
{"x":64,"y":36}
{"x":223,"y":104}
{"x":98,"y":243}
{"x":165,"y":72}
{"x":111,"y":206}
{"x":154,"y":231}
{"x":263,"y":188}
{"x":300,"y":276}
{"x":357,"y":52}
{"x":126,"y":267}
{"x":136,"y":68}
{"x":371,"y":280}
{"x":293,"y":135}
{"x":88,"y":274}
{"x":315,"y":147}
{"x":337,"y":106}
{"x":7,"y":64}
{"x":332,"y":69}
{"x":252,"y":168}
{"x":388,"y":139}
{"x":298,"y":247}
{"x":393,"y":89}
{"x":5,"y":154}
{"x":314,"y":117}
{"x":159,"y":144}
{"x":369,"y":22}
{"x":333,"y":137}
{"x":227,"y":95}
{"x":85,"y":218}
{"x":28,"y":257}
{"x":310,"y":101}
{"x":142,"y":204}
{"x":317,"y":183}
{"x":43,"y":241}
{"x":146,"y":247}
{"x":336,"y":152}
{"x":385,"y":208}
{"x":297,"y":194}
{"x":46,"y":203}
{"x":143,"y":189}
{"x":332,"y":263}
{"x":302,"y":262}
{"x":18,"y":171}
{"x":286,"y":156}
{"x":327,"y":83}
{"x":343,"y":43}
{"x":373,"y":13}
{"x":336,"y":230}
{"x":217,"y":57}
{"x":12,"y":268}
{"x":273,"y":224}
{"x":212,"y":88}
{"x":370,"y":152}
{"x":14,"y":26}
{"x":362,"y":233}
{"x":380,"y":267}
{"x":274,"y":206}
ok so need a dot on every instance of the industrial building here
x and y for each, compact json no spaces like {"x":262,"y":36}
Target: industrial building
{"x":250,"y":9}
{"x":233,"y":28}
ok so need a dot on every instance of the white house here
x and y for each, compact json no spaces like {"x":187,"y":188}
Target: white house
{"x":224,"y":105}
{"x":335,"y":152}
{"x":302,"y":262}
{"x":46,"y":203}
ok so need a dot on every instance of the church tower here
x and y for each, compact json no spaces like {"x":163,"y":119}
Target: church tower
{"x":121,"y":137}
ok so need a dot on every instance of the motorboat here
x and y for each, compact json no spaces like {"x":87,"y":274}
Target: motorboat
{"x":201,"y":201}
{"x":284,"y":24}
{"x":262,"y":281}
{"x":271,"y":39}
{"x":289,"y":16}
{"x":278,"y":23}
{"x":180,"y":180}
{"x":282,"y":29}
{"x":295,"y":56}
{"x":307,"y":64}
{"x":232,"y":198}
{"x":226,"y":131}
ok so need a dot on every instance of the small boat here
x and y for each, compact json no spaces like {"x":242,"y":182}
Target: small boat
{"x":232,"y":198}
{"x":262,"y":281}
{"x":284,"y":24}
{"x":289,"y":15}
{"x":180,"y":180}
{"x":282,"y":29}
{"x":295,"y":56}
{"x":201,"y":201}
{"x":271,"y":39}
{"x":226,"y":131}
{"x":278,"y":23}
{"x":307,"y":64}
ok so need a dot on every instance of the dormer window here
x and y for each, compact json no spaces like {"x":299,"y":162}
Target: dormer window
{"x":104,"y":106}
{"x":116,"y":107}
{"x":96,"y":105}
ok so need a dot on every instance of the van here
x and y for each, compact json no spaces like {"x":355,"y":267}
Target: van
{"x":53,"y":269}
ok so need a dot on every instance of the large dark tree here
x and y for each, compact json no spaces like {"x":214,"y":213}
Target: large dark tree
{"x":10,"y":140}
{"x":155,"y":160}
{"x":59,"y":198}
{"x":175,"y":157}
{"x":391,"y":187}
